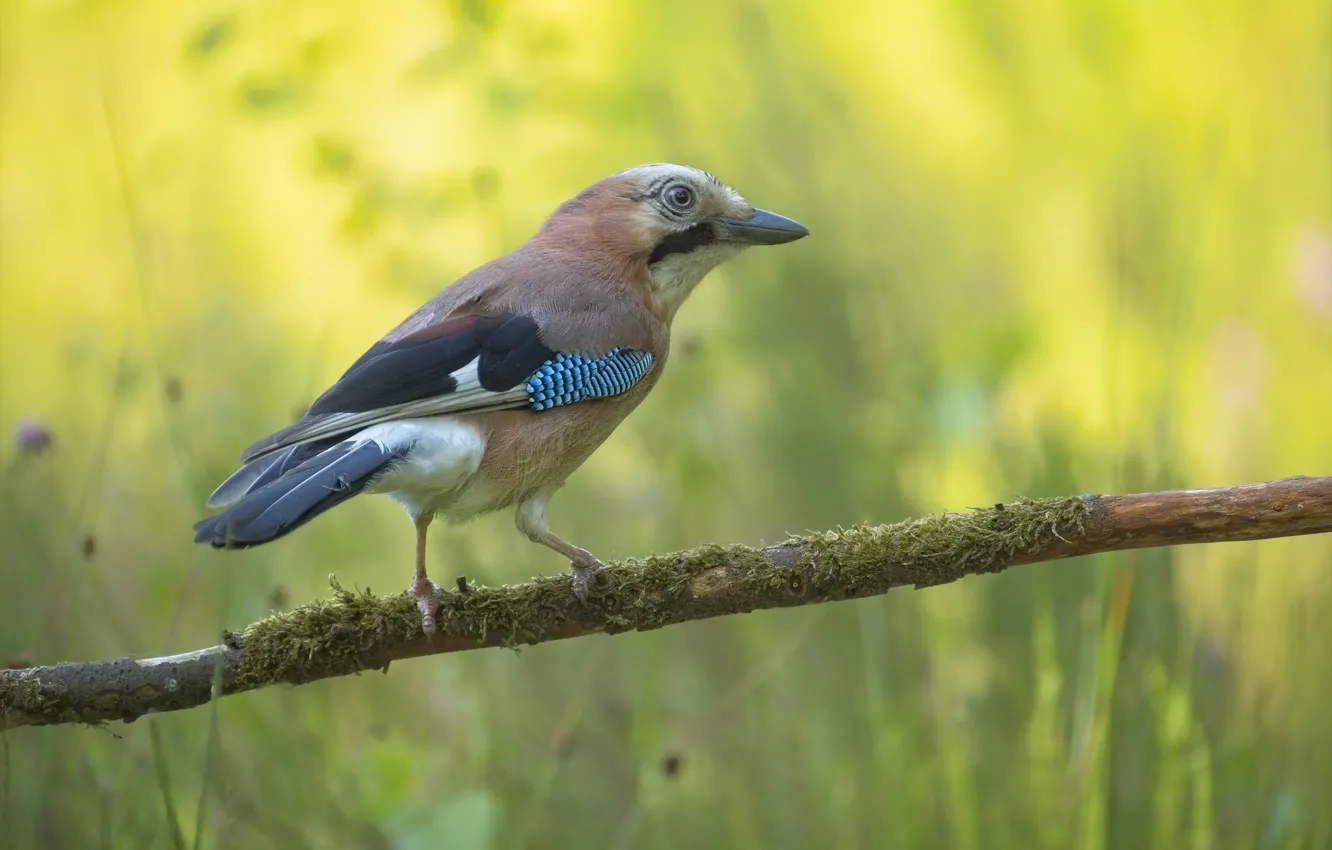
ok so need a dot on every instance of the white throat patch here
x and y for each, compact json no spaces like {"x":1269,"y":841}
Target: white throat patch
{"x":675,"y":276}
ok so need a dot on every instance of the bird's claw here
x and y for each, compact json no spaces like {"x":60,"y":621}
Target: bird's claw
{"x":589,"y":579}
{"x":427,"y":595}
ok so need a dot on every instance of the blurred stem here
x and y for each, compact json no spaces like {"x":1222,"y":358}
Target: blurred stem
{"x":357,"y":631}
{"x":6,"y":808}
{"x":164,"y":784}
{"x":1046,"y":739}
{"x":213,"y":743}
{"x":1105,"y":641}
{"x":953,"y":734}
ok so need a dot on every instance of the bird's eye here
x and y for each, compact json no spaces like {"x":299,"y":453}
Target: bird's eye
{"x":679,"y":197}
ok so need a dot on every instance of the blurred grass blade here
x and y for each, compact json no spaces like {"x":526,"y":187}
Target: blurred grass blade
{"x":214,"y":739}
{"x":164,"y":785}
{"x":6,"y":812}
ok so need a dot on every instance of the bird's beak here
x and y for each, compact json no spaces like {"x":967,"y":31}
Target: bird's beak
{"x":763,"y":228}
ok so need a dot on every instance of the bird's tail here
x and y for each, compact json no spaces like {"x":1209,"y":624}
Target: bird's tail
{"x":288,"y":496}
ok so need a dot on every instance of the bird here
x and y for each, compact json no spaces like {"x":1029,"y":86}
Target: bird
{"x":497,"y":389}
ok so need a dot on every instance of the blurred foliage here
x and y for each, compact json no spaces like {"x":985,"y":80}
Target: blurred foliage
{"x":1056,"y":248}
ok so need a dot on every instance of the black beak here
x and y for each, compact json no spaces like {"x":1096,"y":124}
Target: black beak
{"x":764,"y":228}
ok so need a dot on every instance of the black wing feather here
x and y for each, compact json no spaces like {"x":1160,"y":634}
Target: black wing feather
{"x":419,"y":367}
{"x":511,"y":350}
{"x":422,"y":364}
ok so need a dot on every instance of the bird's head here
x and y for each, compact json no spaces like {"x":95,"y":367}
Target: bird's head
{"x":677,"y":222}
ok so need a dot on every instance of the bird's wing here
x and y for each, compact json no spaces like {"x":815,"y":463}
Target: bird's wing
{"x":466,"y":363}
{"x":462,"y":364}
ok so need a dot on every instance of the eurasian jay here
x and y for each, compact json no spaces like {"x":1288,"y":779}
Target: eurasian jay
{"x":499,"y":387}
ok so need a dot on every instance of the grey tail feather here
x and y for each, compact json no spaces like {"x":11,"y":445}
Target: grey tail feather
{"x":241,"y":481}
{"x":259,"y":473}
{"x":296,"y":495}
{"x":261,"y":449}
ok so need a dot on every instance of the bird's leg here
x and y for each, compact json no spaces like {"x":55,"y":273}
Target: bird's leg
{"x":425,"y":591}
{"x":588,"y":571}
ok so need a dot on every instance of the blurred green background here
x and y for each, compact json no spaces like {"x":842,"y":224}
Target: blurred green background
{"x":1057,"y":248}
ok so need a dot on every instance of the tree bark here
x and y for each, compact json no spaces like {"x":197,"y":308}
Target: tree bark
{"x":352,"y":632}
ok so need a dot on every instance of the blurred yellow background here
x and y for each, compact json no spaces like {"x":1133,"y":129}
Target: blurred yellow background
{"x":1057,"y":248}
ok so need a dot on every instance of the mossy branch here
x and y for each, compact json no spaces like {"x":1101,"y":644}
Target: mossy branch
{"x":357,"y":631}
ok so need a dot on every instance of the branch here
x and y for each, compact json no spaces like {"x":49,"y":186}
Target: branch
{"x":357,"y":631}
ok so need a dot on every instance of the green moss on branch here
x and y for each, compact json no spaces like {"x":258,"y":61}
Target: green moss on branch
{"x":356,"y":630}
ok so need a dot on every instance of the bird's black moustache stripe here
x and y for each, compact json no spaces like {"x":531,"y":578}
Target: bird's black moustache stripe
{"x":684,"y":241}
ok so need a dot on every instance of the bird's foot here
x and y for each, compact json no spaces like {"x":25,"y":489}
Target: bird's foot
{"x":427,"y":595}
{"x":589,"y":578}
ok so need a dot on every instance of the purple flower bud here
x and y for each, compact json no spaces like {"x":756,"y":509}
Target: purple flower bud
{"x":32,"y":437}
